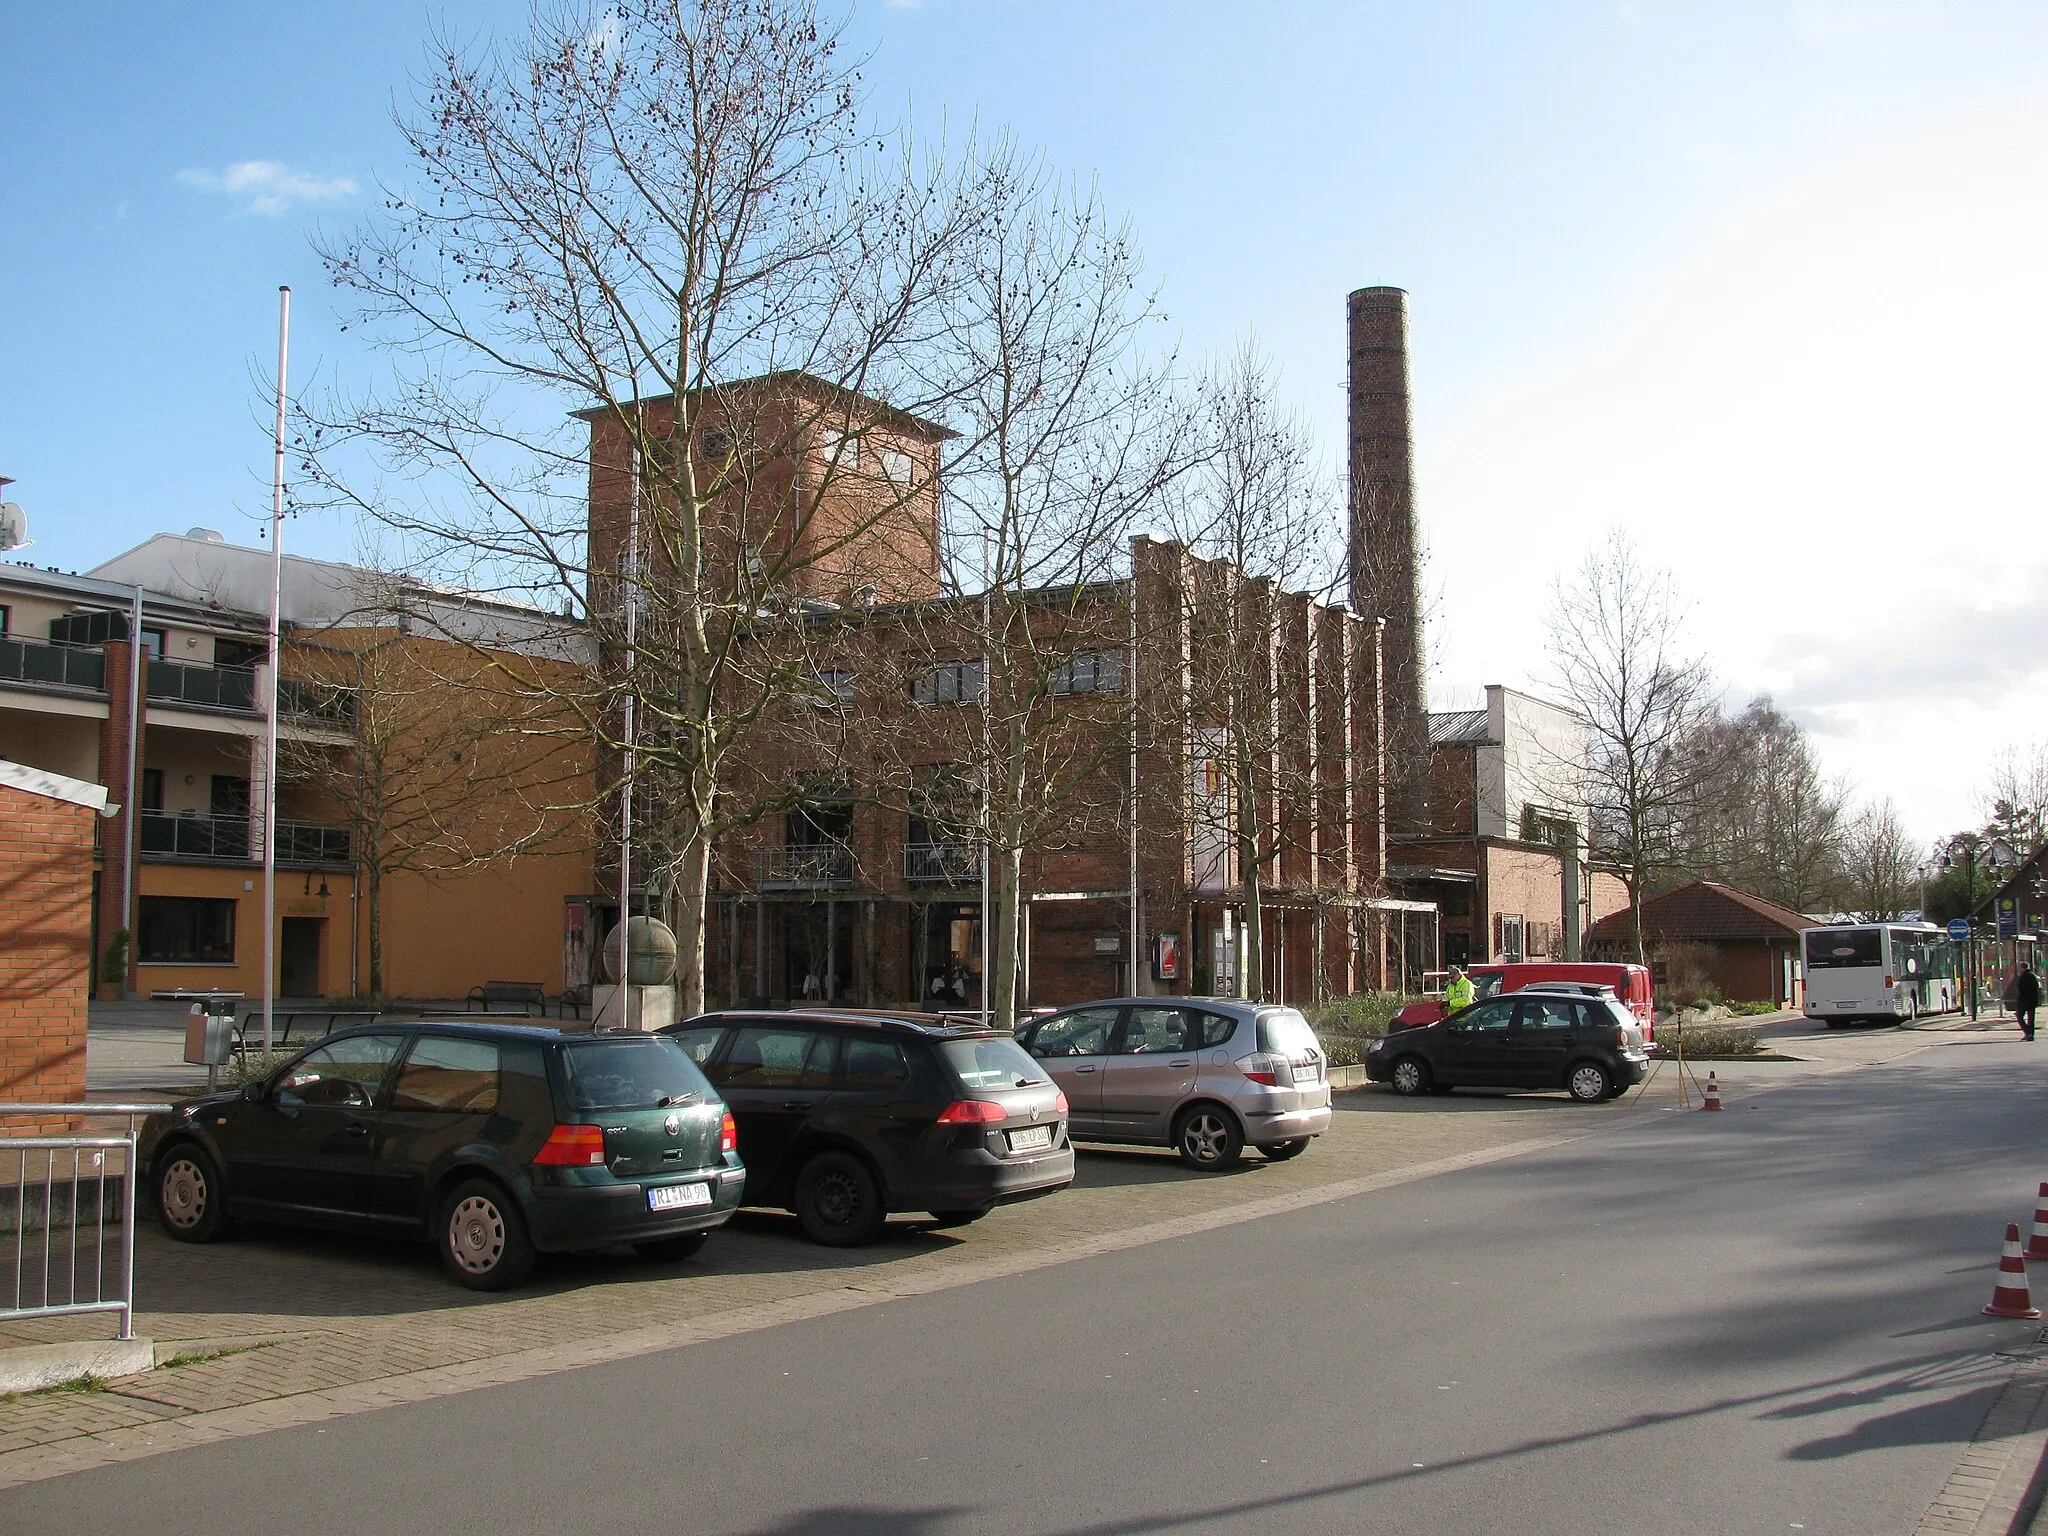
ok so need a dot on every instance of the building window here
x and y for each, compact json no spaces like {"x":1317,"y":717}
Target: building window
{"x":950,"y":682}
{"x":4,"y":611}
{"x":830,"y":690}
{"x":153,"y":642}
{"x":186,"y":930}
{"x":1090,"y":672}
{"x":240,"y":653}
{"x":1509,"y":944}
{"x":842,"y":449}
{"x":896,"y":465}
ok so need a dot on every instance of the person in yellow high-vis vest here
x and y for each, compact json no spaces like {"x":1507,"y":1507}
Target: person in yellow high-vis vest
{"x":1458,"y":995}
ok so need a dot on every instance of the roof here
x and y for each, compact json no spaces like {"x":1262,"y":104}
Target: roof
{"x":838,"y":394}
{"x":54,"y":786}
{"x":923,"y":1024}
{"x":1458,"y":728}
{"x":1704,"y":912}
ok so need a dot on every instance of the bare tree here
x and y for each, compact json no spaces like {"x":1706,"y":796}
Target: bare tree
{"x":1768,"y":819}
{"x":1262,"y":512}
{"x":670,"y":216}
{"x":1069,"y":437}
{"x":1882,"y":865}
{"x":1617,"y":652}
{"x":2014,"y":799}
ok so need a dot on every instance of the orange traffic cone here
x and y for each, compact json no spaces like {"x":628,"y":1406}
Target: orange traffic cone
{"x":2010,"y":1299}
{"x":2037,"y":1240}
{"x":1714,"y":1099}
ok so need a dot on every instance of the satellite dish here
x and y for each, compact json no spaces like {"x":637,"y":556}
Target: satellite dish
{"x":13,"y":525}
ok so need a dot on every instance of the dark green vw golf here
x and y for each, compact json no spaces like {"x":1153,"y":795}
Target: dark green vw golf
{"x":493,"y":1141}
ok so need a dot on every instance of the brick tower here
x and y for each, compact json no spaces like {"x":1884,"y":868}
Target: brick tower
{"x":1385,"y":569}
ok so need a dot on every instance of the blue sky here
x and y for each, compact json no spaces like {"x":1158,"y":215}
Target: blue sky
{"x":1760,"y":282}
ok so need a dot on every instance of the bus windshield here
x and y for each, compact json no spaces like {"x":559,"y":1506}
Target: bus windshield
{"x":1840,"y":948}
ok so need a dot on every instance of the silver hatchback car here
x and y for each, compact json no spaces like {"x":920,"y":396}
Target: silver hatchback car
{"x":1206,"y":1076}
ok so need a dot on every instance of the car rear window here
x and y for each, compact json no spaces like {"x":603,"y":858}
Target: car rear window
{"x":630,"y":1074}
{"x":1286,"y":1033}
{"x":991,"y":1063}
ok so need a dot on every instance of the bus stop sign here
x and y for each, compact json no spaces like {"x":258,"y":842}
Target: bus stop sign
{"x":1959,"y":929}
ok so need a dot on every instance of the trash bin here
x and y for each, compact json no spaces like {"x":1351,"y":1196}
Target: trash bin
{"x":209,"y":1037}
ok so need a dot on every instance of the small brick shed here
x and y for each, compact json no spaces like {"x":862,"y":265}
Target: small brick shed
{"x":46,"y":829}
{"x":1750,"y":946}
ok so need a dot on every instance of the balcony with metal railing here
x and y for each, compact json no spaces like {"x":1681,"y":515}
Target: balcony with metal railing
{"x":804,"y":867}
{"x":942,"y":863}
{"x":37,"y":664}
{"x":189,"y":685}
{"x":195,"y":837}
{"x":327,"y":704}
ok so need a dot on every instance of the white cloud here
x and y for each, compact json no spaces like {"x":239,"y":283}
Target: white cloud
{"x":1827,"y":422}
{"x":269,"y":186}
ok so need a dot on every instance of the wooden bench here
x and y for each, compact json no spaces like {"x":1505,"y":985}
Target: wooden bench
{"x":529,"y":997}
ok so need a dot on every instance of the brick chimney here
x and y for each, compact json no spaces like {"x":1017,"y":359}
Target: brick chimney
{"x":1385,"y":571}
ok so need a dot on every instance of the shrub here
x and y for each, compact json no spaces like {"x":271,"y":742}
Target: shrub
{"x":114,"y":958}
{"x":1704,"y":1042}
{"x":1347,"y":1025}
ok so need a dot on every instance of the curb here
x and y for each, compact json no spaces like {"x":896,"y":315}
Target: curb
{"x":32,"y":1367}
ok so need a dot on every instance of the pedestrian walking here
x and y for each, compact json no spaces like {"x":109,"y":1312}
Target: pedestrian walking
{"x":2026,"y":997}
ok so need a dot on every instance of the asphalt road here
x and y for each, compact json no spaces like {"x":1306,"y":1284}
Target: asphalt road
{"x":1764,"y":1320}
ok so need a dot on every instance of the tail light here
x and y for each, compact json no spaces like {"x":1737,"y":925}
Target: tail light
{"x":572,"y":1146}
{"x":1265,"y":1069}
{"x":728,"y":1133}
{"x":1059,"y":1102}
{"x":973,"y":1112}
{"x":1888,"y":983}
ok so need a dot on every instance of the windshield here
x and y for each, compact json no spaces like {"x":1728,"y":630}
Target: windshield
{"x":652,"y":1073}
{"x":991,"y":1063}
{"x":1841,"y":948}
{"x":1286,"y":1033}
{"x":1485,"y":984}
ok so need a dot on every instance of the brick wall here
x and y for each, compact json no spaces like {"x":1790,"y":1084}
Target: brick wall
{"x":45,"y":948}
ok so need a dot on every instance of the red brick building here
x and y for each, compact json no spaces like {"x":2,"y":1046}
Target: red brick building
{"x":1708,"y":934}
{"x":47,"y":828}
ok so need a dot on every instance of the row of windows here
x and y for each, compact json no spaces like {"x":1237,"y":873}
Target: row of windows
{"x":964,"y":682}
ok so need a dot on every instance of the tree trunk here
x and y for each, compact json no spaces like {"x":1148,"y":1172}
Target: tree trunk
{"x":376,"y":877}
{"x":1003,"y":953}
{"x":692,"y":898}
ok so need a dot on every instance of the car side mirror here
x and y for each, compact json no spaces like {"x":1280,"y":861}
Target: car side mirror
{"x":253,"y":1092}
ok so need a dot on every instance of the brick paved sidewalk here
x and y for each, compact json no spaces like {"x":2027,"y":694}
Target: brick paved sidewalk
{"x":321,"y":1323}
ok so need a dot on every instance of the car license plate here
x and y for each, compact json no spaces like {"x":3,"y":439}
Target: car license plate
{"x":1845,"y":1005}
{"x":678,"y":1197}
{"x":1305,"y":1072}
{"x":1033,"y":1139}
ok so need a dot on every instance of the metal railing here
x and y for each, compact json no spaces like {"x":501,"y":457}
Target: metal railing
{"x":317,"y":703}
{"x":232,"y":840}
{"x":804,"y":867}
{"x":55,"y":666}
{"x":65,"y":1182}
{"x":203,"y":687}
{"x":942,"y":863}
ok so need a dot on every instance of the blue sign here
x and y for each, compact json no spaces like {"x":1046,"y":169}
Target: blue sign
{"x":2008,"y":917}
{"x":1959,"y":929}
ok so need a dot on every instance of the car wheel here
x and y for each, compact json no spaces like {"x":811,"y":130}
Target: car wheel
{"x":1588,"y":1082}
{"x":673,"y":1250}
{"x":838,"y":1201}
{"x":1280,"y":1151}
{"x":957,"y":1218}
{"x":483,"y":1237}
{"x":1208,"y":1139}
{"x":190,"y":1196}
{"x":1410,"y":1077}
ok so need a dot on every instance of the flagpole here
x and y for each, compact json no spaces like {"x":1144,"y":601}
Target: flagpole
{"x":284,"y":330}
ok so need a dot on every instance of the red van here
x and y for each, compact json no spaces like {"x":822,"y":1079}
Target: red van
{"x":1631,"y":984}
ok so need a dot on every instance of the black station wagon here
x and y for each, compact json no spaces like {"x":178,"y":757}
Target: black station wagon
{"x":1590,"y":1046}
{"x":494,"y":1141}
{"x":844,"y":1118}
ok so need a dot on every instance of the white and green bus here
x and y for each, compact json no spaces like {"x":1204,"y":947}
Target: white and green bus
{"x":1879,"y":972}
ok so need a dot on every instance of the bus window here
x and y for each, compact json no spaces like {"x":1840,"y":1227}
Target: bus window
{"x":1842,"y":948}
